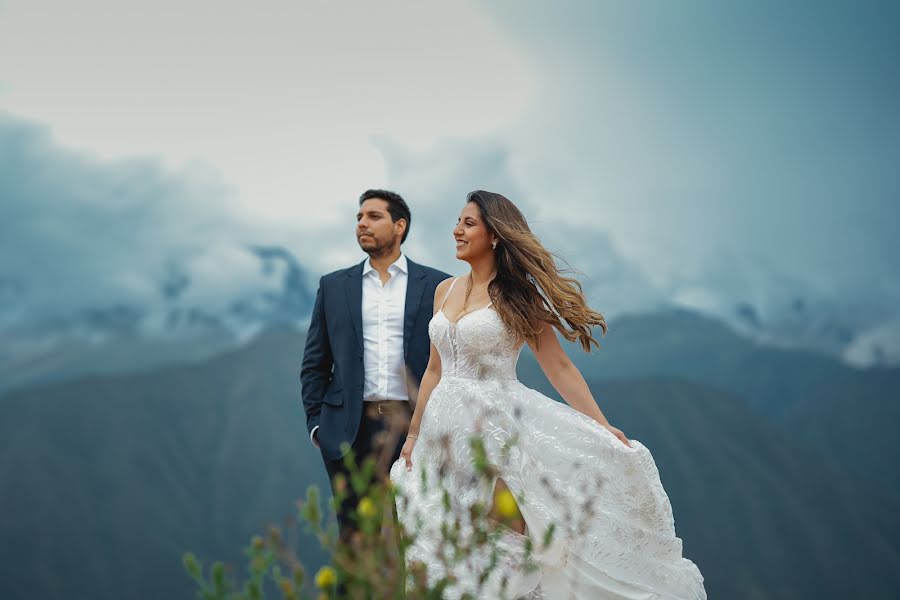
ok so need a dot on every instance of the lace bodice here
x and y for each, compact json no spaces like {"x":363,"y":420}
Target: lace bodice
{"x":477,"y":346}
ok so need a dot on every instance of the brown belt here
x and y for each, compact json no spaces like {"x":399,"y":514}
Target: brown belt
{"x":386,"y":407}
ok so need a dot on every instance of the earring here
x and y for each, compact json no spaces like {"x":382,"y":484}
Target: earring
{"x":494,"y":245}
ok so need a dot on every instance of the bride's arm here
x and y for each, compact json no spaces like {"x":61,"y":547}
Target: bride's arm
{"x":567,"y":379}
{"x":429,"y":380}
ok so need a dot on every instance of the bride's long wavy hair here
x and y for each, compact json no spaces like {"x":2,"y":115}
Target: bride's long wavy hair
{"x":529,"y":289}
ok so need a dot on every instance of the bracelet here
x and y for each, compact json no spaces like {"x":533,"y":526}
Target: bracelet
{"x":412,"y":437}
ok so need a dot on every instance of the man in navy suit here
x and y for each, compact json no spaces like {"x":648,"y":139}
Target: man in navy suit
{"x":367,"y":347}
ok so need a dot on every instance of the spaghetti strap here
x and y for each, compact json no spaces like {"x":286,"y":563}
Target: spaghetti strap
{"x":447,"y":295}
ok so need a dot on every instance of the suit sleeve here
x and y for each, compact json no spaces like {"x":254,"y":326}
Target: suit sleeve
{"x":315,"y":373}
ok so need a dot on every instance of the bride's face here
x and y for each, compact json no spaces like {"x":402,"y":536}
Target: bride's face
{"x":473,"y":240}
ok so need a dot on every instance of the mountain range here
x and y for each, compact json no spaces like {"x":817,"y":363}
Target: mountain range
{"x":108,"y":479}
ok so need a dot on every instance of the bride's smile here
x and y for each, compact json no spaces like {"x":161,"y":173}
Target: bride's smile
{"x":473,"y":240}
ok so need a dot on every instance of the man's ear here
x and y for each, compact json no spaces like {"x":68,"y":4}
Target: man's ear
{"x":401,"y":224}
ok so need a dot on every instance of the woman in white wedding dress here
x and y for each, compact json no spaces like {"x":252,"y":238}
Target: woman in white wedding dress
{"x":568,"y":468}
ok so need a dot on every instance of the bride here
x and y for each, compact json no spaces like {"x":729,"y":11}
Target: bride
{"x":595,"y":519}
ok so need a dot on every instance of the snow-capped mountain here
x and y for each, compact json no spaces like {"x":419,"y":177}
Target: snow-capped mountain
{"x":178,"y":325}
{"x":859,"y":338}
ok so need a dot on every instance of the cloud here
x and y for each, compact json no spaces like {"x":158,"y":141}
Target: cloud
{"x":737,"y":155}
{"x":280,"y":96}
{"x":436,"y":181}
{"x":686,"y":129}
{"x":124,"y":242}
{"x":735,"y":159}
{"x":878,"y":346}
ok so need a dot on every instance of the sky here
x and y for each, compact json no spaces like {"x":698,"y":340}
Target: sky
{"x":703,"y":153}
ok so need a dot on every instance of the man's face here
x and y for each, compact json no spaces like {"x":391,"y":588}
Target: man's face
{"x":376,"y":232}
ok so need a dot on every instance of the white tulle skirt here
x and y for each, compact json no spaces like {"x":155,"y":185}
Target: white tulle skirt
{"x":613,"y":530}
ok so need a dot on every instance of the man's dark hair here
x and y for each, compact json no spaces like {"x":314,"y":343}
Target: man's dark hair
{"x":396,"y":206}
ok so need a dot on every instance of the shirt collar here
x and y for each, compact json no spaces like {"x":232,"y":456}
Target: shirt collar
{"x":399,"y":264}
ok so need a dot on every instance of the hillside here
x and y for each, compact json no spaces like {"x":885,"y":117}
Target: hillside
{"x":107,"y":480}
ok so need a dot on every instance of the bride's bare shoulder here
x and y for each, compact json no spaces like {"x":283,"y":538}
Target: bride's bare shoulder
{"x":442,"y":288}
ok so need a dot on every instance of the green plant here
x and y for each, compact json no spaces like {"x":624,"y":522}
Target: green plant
{"x":371,"y":562}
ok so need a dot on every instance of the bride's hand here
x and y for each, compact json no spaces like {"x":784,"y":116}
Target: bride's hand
{"x":406,"y":452}
{"x":618,"y":433}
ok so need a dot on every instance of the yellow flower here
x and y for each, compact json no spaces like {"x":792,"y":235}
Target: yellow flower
{"x":326,"y":577}
{"x":287,"y":587}
{"x":506,"y":504}
{"x":366,"y":508}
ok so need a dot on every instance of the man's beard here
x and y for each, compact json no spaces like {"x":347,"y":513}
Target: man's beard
{"x":377,"y":249}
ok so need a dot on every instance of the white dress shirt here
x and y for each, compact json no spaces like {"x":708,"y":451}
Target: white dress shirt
{"x":383,"y":309}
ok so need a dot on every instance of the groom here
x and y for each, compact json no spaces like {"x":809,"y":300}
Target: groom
{"x":367,"y":347}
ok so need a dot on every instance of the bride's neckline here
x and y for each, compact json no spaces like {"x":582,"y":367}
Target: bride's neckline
{"x":458,"y":318}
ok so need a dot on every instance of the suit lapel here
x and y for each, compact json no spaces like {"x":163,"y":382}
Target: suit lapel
{"x":415,"y":288}
{"x":354,"y":300}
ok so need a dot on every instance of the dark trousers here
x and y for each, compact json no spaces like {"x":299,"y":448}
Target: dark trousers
{"x":380,"y":436}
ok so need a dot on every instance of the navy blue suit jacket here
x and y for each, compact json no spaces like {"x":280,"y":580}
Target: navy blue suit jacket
{"x":333,"y":373}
